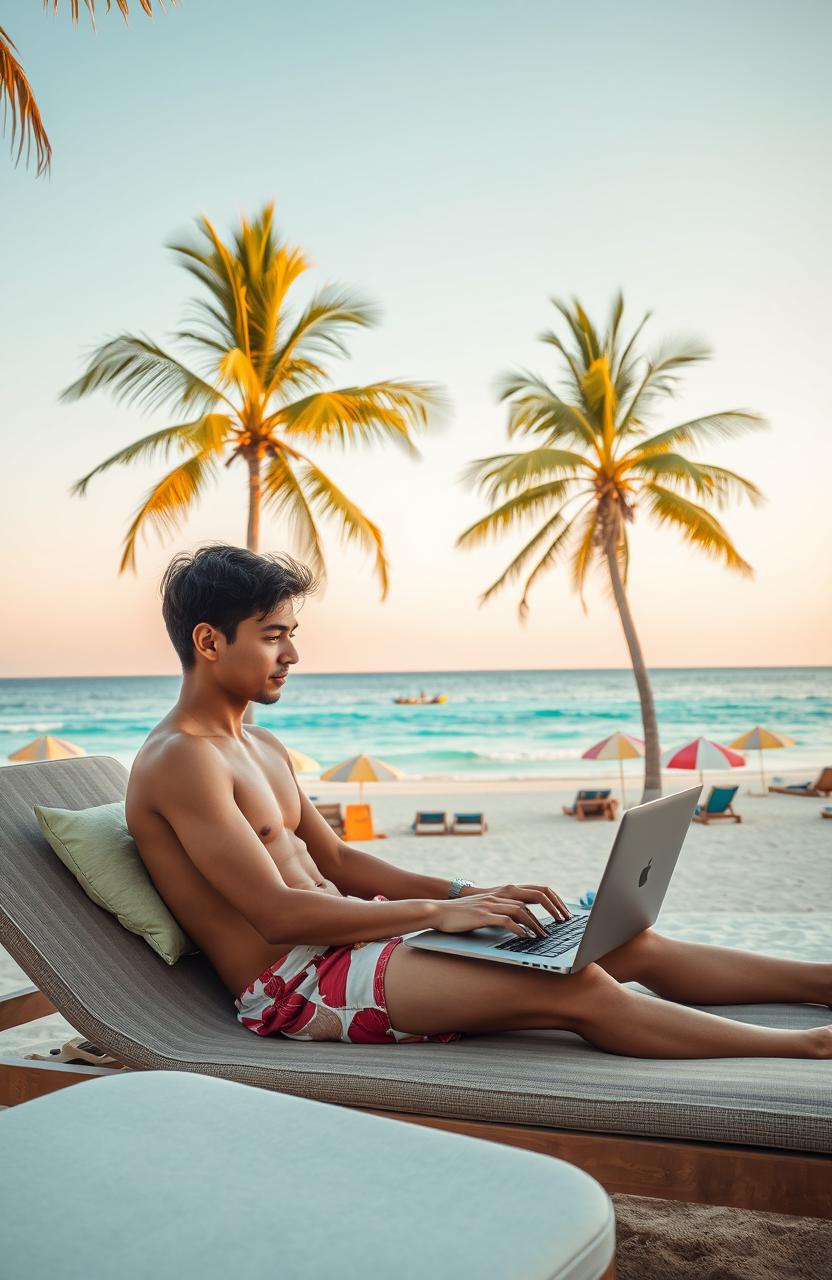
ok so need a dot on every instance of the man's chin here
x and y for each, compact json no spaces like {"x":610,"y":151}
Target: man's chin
{"x":267,"y":696}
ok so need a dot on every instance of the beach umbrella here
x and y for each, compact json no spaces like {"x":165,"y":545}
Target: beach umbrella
{"x":760,"y":739}
{"x":47,"y":748}
{"x":701,"y":754}
{"x":302,"y":763}
{"x":618,"y":746}
{"x":362,"y":769}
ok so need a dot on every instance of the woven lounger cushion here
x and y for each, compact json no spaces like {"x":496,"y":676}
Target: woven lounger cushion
{"x":251,"y":1184}
{"x":110,"y":986}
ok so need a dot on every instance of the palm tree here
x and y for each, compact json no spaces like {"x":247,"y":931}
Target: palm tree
{"x":256,"y":393}
{"x":16,"y":92}
{"x":591,"y":443}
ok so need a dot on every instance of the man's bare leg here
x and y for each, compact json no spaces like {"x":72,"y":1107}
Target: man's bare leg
{"x":427,"y":993}
{"x":700,"y":974}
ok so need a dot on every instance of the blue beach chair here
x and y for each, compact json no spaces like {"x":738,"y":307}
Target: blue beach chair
{"x":821,"y":786}
{"x":718,"y":805}
{"x":430,"y":823}
{"x":592,"y":804}
{"x":468,"y":824}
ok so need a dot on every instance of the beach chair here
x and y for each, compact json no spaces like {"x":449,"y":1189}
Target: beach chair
{"x":718,"y":805}
{"x":822,"y":785}
{"x":750,"y":1132}
{"x":334,"y":815}
{"x":243,"y":1215}
{"x":358,"y":823}
{"x":430,"y":823}
{"x":592,"y":804}
{"x":468,"y":824}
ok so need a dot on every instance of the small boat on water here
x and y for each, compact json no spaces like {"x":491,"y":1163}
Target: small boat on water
{"x":423,"y":700}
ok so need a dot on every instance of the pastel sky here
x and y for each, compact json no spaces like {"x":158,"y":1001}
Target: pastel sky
{"x":460,"y":164}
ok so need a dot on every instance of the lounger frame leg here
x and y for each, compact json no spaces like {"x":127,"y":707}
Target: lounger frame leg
{"x":22,"y":1079}
{"x":702,"y":1173}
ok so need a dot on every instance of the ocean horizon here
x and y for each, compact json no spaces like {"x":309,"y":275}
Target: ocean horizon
{"x":495,"y":724}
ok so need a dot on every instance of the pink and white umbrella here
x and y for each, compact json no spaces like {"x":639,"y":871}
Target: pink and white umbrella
{"x":618,"y":746}
{"x":701,"y":754}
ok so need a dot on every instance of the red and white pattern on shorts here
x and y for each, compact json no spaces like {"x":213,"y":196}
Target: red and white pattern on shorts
{"x":336,"y":994}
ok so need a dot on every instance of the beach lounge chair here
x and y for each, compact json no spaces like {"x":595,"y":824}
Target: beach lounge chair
{"x":752,"y":1132}
{"x":264,"y":1162}
{"x":468,"y":824}
{"x":430,"y":823}
{"x":592,"y":804}
{"x":358,"y":823}
{"x":334,"y":815}
{"x":822,"y":785}
{"x":718,"y":805}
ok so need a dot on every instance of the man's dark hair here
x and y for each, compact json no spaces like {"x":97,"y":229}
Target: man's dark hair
{"x":224,"y":585}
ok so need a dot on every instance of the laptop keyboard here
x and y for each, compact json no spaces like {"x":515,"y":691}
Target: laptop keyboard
{"x":559,"y":937}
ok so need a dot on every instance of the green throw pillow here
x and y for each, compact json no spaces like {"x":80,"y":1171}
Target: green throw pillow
{"x":96,"y":846}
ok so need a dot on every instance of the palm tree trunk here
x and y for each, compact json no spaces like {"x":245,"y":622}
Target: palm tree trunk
{"x":652,"y":757}
{"x":253,"y":532}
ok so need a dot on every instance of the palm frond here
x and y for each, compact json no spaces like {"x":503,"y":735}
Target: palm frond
{"x":697,"y":526}
{"x":516,"y":566}
{"x":139,"y":372}
{"x":283,"y":494}
{"x":320,"y":328}
{"x":507,"y":472}
{"x":169,"y":501}
{"x":557,"y":548}
{"x":536,"y":409}
{"x":661,"y":376}
{"x":205,"y":434}
{"x":236,"y":368}
{"x":18,"y":101}
{"x":391,"y":410}
{"x":698,"y":431}
{"x":584,"y":555}
{"x":705,"y":480}
{"x":328,"y":499}
{"x":600,"y":396}
{"x":516,"y":510}
{"x":123,"y":7}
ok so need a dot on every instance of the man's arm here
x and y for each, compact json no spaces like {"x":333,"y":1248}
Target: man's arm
{"x":357,"y":873}
{"x":194,"y":793}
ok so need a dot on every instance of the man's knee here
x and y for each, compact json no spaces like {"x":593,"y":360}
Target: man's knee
{"x":578,"y":999}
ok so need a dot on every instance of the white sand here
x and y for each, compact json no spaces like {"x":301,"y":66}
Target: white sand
{"x":771,"y":870}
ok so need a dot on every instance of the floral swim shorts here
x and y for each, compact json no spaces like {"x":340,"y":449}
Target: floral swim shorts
{"x":334,"y":994}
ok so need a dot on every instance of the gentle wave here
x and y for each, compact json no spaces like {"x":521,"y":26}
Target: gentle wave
{"x":36,"y":726}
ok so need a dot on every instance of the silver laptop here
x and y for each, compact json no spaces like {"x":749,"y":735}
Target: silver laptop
{"x":644,"y":853}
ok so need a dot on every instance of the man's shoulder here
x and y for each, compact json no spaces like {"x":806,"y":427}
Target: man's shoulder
{"x":165,"y":751}
{"x":265,"y":735}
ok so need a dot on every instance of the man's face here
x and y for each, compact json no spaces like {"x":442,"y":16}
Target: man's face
{"x":257,"y":663}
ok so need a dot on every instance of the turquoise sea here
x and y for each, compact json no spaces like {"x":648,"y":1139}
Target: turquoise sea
{"x":495,"y":723}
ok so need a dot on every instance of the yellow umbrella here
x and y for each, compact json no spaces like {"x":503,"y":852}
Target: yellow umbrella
{"x":302,"y":763}
{"x":761,"y":740}
{"x":618,"y":746}
{"x":362,"y":769}
{"x":47,"y":748}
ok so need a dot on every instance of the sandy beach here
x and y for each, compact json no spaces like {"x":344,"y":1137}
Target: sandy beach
{"x":763,"y":884}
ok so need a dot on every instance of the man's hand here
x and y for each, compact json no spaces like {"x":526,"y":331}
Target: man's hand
{"x":479,"y":908}
{"x":539,"y":893}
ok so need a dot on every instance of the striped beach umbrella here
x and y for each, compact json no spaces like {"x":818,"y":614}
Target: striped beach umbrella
{"x":47,"y":748}
{"x":618,"y":746}
{"x":302,"y":763}
{"x":701,"y":754}
{"x":362,"y":769}
{"x":760,"y":739}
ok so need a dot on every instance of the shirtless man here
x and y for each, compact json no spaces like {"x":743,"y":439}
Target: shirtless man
{"x":305,"y":930}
